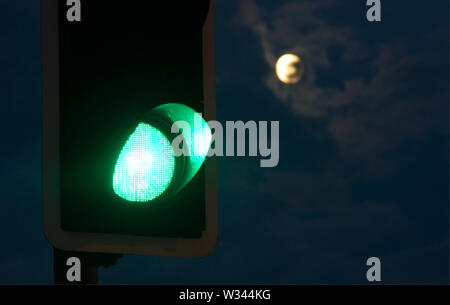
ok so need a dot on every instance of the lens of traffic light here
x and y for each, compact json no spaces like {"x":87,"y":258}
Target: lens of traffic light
{"x":163,"y":154}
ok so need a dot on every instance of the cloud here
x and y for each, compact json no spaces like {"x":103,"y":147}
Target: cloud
{"x":389,"y":111}
{"x":298,"y":27}
{"x":362,"y":93}
{"x":329,"y":216}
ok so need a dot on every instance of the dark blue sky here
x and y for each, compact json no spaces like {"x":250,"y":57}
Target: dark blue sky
{"x":363,"y":148}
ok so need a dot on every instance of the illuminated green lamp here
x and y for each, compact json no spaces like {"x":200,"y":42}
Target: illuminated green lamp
{"x":163,"y":154}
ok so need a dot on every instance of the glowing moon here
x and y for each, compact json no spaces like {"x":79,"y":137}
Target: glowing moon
{"x":290,"y":69}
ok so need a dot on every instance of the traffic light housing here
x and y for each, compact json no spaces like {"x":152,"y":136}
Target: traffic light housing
{"x":116,"y":83}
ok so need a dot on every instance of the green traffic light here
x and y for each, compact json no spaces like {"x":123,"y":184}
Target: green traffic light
{"x":147,"y":167}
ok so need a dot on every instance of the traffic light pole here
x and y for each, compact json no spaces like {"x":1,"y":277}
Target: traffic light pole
{"x":77,"y":165}
{"x":90,"y":262}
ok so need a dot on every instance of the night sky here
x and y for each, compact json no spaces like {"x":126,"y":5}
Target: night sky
{"x":364,"y":157}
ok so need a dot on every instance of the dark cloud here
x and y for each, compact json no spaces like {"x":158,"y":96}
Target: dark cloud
{"x":382,"y":102}
{"x":368,"y":109}
{"x":298,"y":28}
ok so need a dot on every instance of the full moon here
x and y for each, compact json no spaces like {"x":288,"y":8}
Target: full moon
{"x":290,"y":69}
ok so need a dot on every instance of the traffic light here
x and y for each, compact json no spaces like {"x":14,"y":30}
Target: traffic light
{"x":128,"y":89}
